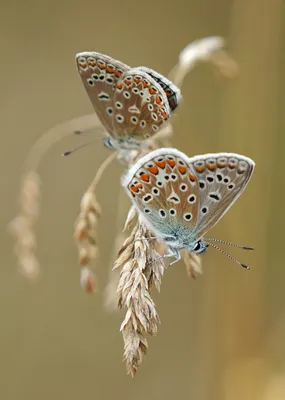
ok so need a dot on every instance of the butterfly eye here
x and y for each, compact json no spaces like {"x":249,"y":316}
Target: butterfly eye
{"x":197,"y":246}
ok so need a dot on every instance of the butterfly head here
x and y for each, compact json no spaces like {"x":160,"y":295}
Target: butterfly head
{"x":180,"y":241}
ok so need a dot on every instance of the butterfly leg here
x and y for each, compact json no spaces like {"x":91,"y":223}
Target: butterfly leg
{"x":174,"y":253}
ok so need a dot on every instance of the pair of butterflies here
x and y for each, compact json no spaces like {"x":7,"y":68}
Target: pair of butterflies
{"x":178,"y":198}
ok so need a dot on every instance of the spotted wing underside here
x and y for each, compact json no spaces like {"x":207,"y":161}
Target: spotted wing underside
{"x":172,"y":92}
{"x":164,"y":188}
{"x":221,"y":179}
{"x":99,"y":74}
{"x":140,"y":106}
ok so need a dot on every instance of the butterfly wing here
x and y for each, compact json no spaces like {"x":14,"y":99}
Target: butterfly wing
{"x":164,"y":190}
{"x":221,"y":178}
{"x":99,"y":74}
{"x":140,"y":106}
{"x":172,"y":91}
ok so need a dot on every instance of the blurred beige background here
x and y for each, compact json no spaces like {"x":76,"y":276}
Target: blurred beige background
{"x":222,"y":336}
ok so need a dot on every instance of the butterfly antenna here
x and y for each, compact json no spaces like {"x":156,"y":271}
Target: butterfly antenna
{"x":90,"y":131}
{"x":68,"y":152}
{"x":226,"y":254}
{"x":230,"y":244}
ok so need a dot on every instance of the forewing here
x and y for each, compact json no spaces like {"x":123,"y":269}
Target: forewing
{"x":172,"y":92}
{"x":99,"y":74}
{"x":164,"y":190}
{"x":221,"y":177}
{"x":140,"y":105}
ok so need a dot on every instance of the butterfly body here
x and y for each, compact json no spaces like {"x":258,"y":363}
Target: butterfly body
{"x":179,"y":198}
{"x":131,"y":103}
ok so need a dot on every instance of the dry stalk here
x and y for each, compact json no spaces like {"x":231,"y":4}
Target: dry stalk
{"x":85,"y":232}
{"x":23,"y":226}
{"x":193,"y":264}
{"x":141,"y":269}
{"x":207,"y":50}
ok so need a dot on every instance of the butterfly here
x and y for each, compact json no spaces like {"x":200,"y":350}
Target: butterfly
{"x":179,"y":198}
{"x":131,"y":103}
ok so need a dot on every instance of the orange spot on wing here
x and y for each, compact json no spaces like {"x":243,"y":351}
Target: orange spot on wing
{"x":199,"y":168}
{"x":120,"y":86}
{"x":92,"y":63}
{"x":145,"y":83}
{"x":137,"y":80}
{"x":127,"y":82}
{"x":153,"y":170}
{"x":136,"y":188}
{"x":182,"y":170}
{"x":159,"y":100}
{"x":152,"y":90}
{"x":212,"y":167}
{"x":118,"y":73}
{"x":221,"y":165}
{"x":163,"y":114}
{"x":192,"y":178}
{"x":144,"y":177}
{"x":172,"y":163}
{"x":102,"y":66}
{"x":168,"y":93}
{"x":110,"y":70}
{"x":160,"y":164}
